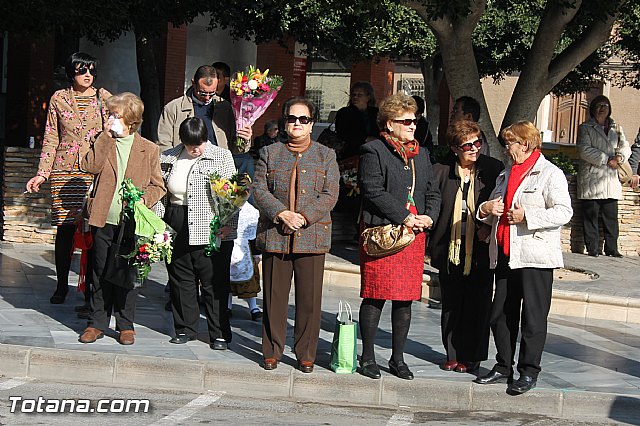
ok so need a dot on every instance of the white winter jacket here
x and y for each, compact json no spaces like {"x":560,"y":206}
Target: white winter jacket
{"x":596,"y":180}
{"x":544,"y":194}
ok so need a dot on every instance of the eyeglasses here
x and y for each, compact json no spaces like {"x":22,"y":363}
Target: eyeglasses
{"x":303,"y":119}
{"x":508,"y":144}
{"x":406,"y":121}
{"x":83,"y":71}
{"x":466,"y":147}
{"x":600,"y":106}
{"x":115,"y":115}
{"x":205,"y":94}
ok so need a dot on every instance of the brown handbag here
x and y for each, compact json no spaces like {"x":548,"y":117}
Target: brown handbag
{"x":385,"y":240}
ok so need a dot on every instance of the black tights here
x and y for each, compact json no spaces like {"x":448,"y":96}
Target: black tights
{"x":370,"y":311}
{"x":63,"y":245}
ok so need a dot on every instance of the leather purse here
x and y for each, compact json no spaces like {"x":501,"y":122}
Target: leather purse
{"x":385,"y":240}
{"x":624,"y":172}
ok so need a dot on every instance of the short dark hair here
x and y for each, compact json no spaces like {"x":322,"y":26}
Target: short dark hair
{"x":368,"y":89}
{"x":271,"y":124}
{"x":460,"y":130}
{"x":470,"y":105}
{"x":597,"y":100}
{"x":206,"y":72}
{"x":222,"y":67}
{"x":78,"y":60}
{"x":420,"y":103}
{"x":313,"y":110}
{"x":193,"y":131}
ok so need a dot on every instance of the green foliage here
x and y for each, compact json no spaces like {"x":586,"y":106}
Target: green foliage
{"x":564,"y":163}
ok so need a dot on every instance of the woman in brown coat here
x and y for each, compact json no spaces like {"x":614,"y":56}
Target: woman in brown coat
{"x":117,"y":155}
{"x":75,"y":115}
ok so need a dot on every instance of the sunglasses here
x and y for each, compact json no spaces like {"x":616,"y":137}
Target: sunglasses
{"x":303,"y":119}
{"x":205,"y":94}
{"x":83,"y":71}
{"x":406,"y":121}
{"x":466,"y":147}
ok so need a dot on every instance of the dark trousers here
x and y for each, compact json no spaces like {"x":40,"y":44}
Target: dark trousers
{"x":591,"y":210}
{"x":107,"y":298}
{"x":63,"y":246}
{"x":189,"y":265}
{"x":531,"y":288}
{"x":466,"y":307}
{"x":308,"y":273}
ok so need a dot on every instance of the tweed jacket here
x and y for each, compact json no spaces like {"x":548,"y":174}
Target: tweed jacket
{"x":200,"y":204}
{"x":596,"y":180}
{"x":385,"y":183}
{"x":487,"y":170}
{"x":143,"y":168}
{"x":68,"y":132}
{"x":544,"y":195}
{"x":176,"y":111}
{"x":317,"y":183}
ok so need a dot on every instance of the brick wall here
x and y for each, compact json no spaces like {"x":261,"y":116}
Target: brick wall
{"x":379,"y":74}
{"x":26,"y":217}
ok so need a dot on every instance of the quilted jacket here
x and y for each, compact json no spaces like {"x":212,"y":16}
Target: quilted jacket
{"x":200,"y":205}
{"x":544,"y":194}
{"x":596,"y":180}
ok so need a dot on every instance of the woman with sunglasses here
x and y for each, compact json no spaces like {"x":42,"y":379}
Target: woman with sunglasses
{"x":527,"y":208}
{"x":601,"y":147}
{"x":75,"y":115}
{"x":398,"y":187}
{"x":459,"y":247}
{"x":295,"y":189}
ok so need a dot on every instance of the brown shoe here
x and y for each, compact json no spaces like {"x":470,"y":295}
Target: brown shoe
{"x":270,"y":363}
{"x":127,"y":337}
{"x":90,"y":335}
{"x":305,"y":366}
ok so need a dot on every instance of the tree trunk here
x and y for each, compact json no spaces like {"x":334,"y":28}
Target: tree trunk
{"x":149,"y":86}
{"x":432,"y":74}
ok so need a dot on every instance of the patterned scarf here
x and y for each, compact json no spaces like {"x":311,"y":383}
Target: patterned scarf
{"x":455,"y":242}
{"x":405,"y":150}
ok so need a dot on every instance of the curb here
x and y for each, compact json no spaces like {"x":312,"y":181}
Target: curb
{"x":593,"y":306}
{"x":321,"y":387}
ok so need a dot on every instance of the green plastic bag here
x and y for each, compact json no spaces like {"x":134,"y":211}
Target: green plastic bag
{"x":344,"y":347}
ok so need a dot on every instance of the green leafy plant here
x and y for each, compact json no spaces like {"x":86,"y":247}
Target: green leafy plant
{"x":564,"y":163}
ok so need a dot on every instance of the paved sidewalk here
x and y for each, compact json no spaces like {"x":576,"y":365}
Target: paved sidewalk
{"x":596,"y":356}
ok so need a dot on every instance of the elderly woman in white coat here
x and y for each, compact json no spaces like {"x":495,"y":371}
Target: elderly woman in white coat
{"x":527,"y":208}
{"x":601,"y":147}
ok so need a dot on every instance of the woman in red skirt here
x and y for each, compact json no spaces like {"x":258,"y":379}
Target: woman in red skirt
{"x":389,"y":168}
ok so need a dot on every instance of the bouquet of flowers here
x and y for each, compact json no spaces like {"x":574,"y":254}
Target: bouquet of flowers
{"x":229,"y":196}
{"x":252,"y":91}
{"x":349,"y":174}
{"x":153,"y":236}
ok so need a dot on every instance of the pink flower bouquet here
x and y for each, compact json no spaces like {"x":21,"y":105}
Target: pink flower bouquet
{"x":252,"y":91}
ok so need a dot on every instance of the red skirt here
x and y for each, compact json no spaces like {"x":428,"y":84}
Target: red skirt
{"x":394,"y":277}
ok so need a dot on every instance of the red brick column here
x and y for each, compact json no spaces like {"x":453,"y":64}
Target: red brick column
{"x":281,"y":61}
{"x":380,"y":75}
{"x":172,"y":59}
{"x":30,"y":86}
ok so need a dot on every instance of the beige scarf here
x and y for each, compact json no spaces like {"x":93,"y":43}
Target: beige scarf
{"x":455,"y":241}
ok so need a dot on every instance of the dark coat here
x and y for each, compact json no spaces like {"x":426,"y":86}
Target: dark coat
{"x":385,"y":185}
{"x":487,"y":170}
{"x":317,"y":184}
{"x":354,"y":128}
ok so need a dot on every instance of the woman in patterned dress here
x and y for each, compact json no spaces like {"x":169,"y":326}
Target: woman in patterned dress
{"x":75,"y":115}
{"x":387,"y":168}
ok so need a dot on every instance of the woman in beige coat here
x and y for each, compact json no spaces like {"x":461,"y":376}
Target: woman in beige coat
{"x":601,"y":147}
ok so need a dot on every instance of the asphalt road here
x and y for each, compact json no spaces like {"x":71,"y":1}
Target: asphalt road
{"x":170,"y":408}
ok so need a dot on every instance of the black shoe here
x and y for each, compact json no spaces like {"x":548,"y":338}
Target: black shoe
{"x":58,"y":297}
{"x":523,"y":384}
{"x":614,"y":254}
{"x":219,"y":345}
{"x":256,"y":315}
{"x":370,"y":369}
{"x":491,"y":377}
{"x":84,"y":315}
{"x":593,"y":254}
{"x":83,"y":308}
{"x":400,"y":369}
{"x":181,"y":339}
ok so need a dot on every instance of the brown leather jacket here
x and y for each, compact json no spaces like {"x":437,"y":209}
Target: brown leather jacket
{"x":143,"y":168}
